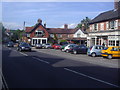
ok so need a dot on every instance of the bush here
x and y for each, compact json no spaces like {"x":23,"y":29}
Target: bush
{"x":63,"y":40}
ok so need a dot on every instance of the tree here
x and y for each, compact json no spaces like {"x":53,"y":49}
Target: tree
{"x":84,"y":22}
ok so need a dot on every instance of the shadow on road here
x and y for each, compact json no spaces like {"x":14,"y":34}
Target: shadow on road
{"x":25,"y":72}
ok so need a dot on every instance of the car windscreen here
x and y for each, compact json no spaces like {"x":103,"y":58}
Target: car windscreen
{"x":25,"y":45}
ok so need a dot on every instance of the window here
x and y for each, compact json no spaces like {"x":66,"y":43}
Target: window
{"x":39,"y":33}
{"x":114,"y":49}
{"x":28,"y":35}
{"x":111,"y":24}
{"x":111,"y":43}
{"x":117,"y":43}
{"x":68,"y":36}
{"x":102,"y":26}
{"x":59,"y":35}
{"x":95,"y":26}
{"x":52,"y":35}
{"x":78,"y":35}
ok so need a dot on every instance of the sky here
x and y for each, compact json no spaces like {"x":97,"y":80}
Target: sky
{"x":54,"y":14}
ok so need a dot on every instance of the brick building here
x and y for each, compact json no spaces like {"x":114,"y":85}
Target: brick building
{"x":41,"y":34}
{"x":105,"y":28}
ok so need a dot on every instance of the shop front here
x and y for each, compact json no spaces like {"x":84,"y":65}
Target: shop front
{"x":35,"y":41}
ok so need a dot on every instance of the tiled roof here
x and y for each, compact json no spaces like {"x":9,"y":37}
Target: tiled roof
{"x":61,"y":31}
{"x":109,"y":15}
{"x":54,"y":30}
{"x":29,"y":29}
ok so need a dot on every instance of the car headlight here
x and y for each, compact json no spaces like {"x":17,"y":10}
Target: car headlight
{"x":23,"y":47}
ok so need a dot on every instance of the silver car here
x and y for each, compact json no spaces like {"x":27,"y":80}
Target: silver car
{"x":47,"y":46}
{"x":95,"y":50}
{"x":37,"y":46}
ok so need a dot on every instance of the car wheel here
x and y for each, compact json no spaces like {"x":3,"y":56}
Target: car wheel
{"x":109,"y":56}
{"x":20,"y":50}
{"x":75,"y":52}
{"x":67,"y":51}
{"x":93,"y":54}
{"x":17,"y":49}
{"x":62,"y":50}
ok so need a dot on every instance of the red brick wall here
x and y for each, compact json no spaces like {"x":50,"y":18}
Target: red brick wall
{"x":41,"y":28}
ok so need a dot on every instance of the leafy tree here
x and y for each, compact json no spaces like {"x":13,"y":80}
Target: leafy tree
{"x":84,"y":22}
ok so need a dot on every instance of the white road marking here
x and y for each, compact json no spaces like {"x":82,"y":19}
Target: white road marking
{"x":4,"y":79}
{"x":9,"y":48}
{"x":23,"y":54}
{"x":40,"y":60}
{"x":15,"y":50}
{"x":91,"y":77}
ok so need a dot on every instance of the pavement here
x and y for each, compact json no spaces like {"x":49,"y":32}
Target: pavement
{"x":112,"y":63}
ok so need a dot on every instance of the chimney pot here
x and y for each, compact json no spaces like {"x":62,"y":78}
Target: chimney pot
{"x":40,"y":21}
{"x":65,"y":26}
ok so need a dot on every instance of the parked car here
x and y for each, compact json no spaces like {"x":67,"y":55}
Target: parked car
{"x":110,"y":52}
{"x":56,"y":46}
{"x":24,"y":47}
{"x":38,"y":46}
{"x":79,"y":49}
{"x":63,"y":43}
{"x":95,"y":50}
{"x":10,"y":44}
{"x":62,"y":47}
{"x":47,"y":45}
{"x":68,"y":47}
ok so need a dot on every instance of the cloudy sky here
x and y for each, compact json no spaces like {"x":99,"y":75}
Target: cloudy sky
{"x":55,"y":14}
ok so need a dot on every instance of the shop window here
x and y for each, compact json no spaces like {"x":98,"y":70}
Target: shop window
{"x":43,"y":41}
{"x":117,"y":43}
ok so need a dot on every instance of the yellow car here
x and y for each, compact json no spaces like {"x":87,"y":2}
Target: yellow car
{"x":110,"y":52}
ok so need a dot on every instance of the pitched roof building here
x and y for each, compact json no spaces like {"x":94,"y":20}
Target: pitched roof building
{"x":105,"y":28}
{"x":40,"y":34}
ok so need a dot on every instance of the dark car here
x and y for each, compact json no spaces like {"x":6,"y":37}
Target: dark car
{"x":24,"y":47}
{"x":10,"y":44}
{"x":79,"y":49}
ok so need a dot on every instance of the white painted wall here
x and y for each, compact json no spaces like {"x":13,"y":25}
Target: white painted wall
{"x":82,"y":35}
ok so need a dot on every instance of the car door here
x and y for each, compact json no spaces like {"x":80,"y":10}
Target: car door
{"x":98,"y":50}
{"x":115,"y":52}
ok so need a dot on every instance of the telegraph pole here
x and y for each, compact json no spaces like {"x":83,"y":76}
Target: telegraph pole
{"x":24,"y":26}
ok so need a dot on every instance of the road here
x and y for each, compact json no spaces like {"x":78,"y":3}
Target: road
{"x":41,"y":70}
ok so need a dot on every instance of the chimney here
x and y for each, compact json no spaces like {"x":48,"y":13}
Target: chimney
{"x":66,"y":26}
{"x":116,"y":4}
{"x":83,"y":27}
{"x":40,"y":21}
{"x":44,"y":24}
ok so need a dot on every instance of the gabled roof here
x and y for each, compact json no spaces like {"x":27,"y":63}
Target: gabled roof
{"x":54,"y":30}
{"x":105,"y":16}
